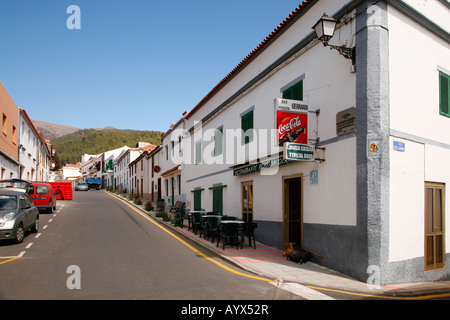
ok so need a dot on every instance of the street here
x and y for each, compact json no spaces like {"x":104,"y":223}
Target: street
{"x":96,"y":247}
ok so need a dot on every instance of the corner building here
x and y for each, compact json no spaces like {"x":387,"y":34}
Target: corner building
{"x":375,"y":194}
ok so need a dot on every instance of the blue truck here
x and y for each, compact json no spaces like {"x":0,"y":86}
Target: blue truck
{"x":94,"y":183}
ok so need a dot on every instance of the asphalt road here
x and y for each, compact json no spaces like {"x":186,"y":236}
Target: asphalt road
{"x":97,"y":247}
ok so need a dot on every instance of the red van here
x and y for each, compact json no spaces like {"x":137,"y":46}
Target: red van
{"x":42,"y":195}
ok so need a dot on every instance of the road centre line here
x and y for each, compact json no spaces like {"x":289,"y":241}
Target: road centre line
{"x":189,"y":246}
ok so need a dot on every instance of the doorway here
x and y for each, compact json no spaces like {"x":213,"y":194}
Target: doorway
{"x":293,"y":211}
{"x":247,"y":201}
{"x":434,"y":226}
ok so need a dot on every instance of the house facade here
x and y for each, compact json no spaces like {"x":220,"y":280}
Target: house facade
{"x":34,"y":154}
{"x":172,"y":153}
{"x":368,"y":192}
{"x":140,"y":173}
{"x":9,"y":112}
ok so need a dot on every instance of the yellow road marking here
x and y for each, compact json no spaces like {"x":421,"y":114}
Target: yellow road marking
{"x":8,"y":259}
{"x":188,"y":245}
{"x":431,"y":296}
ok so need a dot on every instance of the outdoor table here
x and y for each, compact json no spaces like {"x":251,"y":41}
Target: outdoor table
{"x":232,"y":221}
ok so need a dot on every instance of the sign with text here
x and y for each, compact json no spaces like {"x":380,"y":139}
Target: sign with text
{"x":291,"y":121}
{"x":298,"y":152}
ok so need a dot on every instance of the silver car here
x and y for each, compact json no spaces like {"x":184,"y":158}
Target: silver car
{"x":82,"y":186}
{"x":17,"y":214}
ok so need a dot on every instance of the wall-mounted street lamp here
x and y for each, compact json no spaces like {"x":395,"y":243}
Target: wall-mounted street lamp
{"x":325,"y":28}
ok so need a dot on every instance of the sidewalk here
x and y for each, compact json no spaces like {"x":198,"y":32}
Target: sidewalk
{"x":266,"y":261}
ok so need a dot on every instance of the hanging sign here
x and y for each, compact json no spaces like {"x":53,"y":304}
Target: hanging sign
{"x":291,"y":121}
{"x":298,"y":152}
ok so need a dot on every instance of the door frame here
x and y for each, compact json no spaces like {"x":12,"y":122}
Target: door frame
{"x":434,"y":233}
{"x":285,"y":213}
{"x":244,"y":210}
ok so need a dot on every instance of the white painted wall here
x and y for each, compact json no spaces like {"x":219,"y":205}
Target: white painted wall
{"x":329,"y":86}
{"x":415,"y":58}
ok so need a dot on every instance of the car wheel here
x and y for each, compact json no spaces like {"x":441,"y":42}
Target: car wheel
{"x":20,"y":234}
{"x":35,"y":227}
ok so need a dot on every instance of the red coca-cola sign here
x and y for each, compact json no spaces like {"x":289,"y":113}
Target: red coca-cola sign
{"x":292,"y":127}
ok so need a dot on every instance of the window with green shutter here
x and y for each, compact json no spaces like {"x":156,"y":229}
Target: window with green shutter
{"x":295,"y":92}
{"x":444,"y":94}
{"x":218,"y":199}
{"x":247,"y":127}
{"x":218,"y":134}
{"x":197,"y":199}
{"x":198,"y":152}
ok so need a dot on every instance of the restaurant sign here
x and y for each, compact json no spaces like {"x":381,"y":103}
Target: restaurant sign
{"x":298,"y":152}
{"x":260,"y":166}
{"x":291,"y":121}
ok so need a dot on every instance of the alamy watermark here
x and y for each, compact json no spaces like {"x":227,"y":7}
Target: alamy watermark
{"x":74,"y":20}
{"x":74,"y":280}
{"x":374,"y":279}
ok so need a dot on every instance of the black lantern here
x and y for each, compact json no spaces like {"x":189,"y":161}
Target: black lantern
{"x":325,"y":29}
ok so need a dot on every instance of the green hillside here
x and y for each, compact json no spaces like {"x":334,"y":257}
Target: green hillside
{"x":72,"y":146}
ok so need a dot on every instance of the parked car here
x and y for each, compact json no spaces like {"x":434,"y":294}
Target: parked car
{"x":17,"y":214}
{"x":81,"y":186}
{"x":42,"y":195}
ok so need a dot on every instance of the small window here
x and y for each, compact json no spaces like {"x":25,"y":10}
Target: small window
{"x":444,"y":94}
{"x":218,"y":138}
{"x":198,"y":152}
{"x":295,"y":92}
{"x":247,"y":127}
{"x":5,"y":124}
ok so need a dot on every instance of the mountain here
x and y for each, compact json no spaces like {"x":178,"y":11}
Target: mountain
{"x":71,"y":147}
{"x":51,"y":131}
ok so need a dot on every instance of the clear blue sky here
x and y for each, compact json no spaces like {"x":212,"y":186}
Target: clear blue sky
{"x":134,"y":64}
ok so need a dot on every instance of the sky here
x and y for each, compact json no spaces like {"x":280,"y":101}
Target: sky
{"x":133,"y":64}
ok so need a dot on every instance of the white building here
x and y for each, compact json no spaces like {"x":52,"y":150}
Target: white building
{"x":140,"y":172}
{"x":379,"y":125}
{"x":122,"y":176}
{"x":34,"y":155}
{"x":171,"y":173}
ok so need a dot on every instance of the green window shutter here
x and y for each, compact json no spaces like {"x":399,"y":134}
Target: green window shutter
{"x":218,"y":200}
{"x":247,"y":125}
{"x":444,"y":94}
{"x":197,"y":200}
{"x":295,"y":92}
{"x":218,"y":142}
{"x":198,"y":153}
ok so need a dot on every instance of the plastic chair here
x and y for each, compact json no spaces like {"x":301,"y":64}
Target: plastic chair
{"x":248,"y":230}
{"x":229,"y":234}
{"x":184,"y":214}
{"x":212,"y":225}
{"x":196,"y":223}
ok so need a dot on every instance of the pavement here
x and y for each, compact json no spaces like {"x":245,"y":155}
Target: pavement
{"x":268,"y":262}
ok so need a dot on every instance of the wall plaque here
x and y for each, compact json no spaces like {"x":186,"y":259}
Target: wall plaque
{"x":346,"y":121}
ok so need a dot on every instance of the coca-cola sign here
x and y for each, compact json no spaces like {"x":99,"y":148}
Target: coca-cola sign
{"x":292,"y":127}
